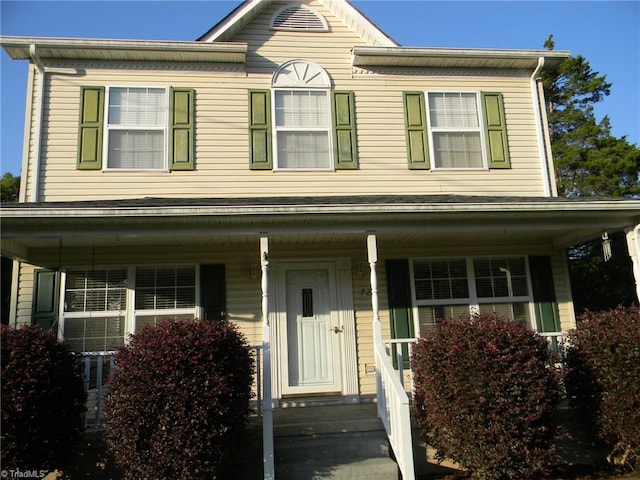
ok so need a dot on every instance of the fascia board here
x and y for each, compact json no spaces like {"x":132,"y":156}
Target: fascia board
{"x":18,"y":48}
{"x":632,"y":207}
{"x":238,"y":17}
{"x":399,"y":56}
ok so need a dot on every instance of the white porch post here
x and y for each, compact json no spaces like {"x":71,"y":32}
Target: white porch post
{"x":372,"y":250}
{"x":372,"y":255}
{"x":267,"y":401}
{"x":633,"y":243}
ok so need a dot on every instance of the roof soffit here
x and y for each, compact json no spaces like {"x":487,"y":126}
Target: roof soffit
{"x":35,"y":231}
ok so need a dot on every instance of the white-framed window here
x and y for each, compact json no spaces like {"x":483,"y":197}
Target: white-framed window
{"x":456,"y":130}
{"x":455,"y":287}
{"x":302,"y":127}
{"x":164,"y":292}
{"x":95,"y":309}
{"x":136,"y":128}
{"x":102,"y":306}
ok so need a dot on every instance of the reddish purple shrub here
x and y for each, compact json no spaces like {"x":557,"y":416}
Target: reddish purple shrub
{"x":43,"y":399}
{"x":486,"y":396}
{"x":180,"y":398}
{"x":604,"y":379}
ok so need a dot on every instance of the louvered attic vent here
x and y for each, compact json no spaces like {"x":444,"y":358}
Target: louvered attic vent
{"x":298,"y":17}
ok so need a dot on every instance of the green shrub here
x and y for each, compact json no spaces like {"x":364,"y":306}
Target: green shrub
{"x":486,"y":396}
{"x":43,"y":399}
{"x":604,"y":379}
{"x":180,"y":398}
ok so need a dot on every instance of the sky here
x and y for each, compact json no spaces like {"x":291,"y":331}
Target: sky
{"x":606,"y":33}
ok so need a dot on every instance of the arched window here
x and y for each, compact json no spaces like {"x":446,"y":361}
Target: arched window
{"x":302,"y":133}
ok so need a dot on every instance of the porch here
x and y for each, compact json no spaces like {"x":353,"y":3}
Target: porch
{"x":325,"y":437}
{"x":330,"y":442}
{"x":273,"y":247}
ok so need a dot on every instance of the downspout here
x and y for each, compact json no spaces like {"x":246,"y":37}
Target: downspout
{"x":38,"y":128}
{"x":547,"y":139}
{"x":537,"y":106}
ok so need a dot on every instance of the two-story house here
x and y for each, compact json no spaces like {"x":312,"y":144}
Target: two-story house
{"x":299,"y":173}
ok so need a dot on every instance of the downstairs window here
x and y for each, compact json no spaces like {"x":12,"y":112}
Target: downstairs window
{"x":456,"y":287}
{"x":104,"y":305}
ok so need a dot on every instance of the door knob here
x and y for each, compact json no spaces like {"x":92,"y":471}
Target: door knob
{"x":337,"y":330}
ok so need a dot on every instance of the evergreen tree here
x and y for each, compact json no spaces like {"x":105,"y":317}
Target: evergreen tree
{"x":590,"y":161}
{"x":9,"y":188}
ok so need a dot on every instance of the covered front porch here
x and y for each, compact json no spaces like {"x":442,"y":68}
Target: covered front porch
{"x":308,"y":279}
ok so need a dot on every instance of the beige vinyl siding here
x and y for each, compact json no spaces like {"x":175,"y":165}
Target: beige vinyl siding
{"x":270,"y":48}
{"x":221,"y":126}
{"x":561,"y":281}
{"x":25,"y":294}
{"x":30,"y":123}
{"x":221,"y":145}
{"x":244,"y":293}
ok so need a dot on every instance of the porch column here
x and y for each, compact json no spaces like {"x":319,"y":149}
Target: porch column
{"x":633,"y":243}
{"x":372,"y":255}
{"x":372,"y":251}
{"x":267,"y":401}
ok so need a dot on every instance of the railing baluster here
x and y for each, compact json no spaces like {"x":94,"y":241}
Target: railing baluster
{"x":98,"y":419}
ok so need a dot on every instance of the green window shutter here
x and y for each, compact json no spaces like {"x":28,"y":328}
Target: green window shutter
{"x":90,"y":131}
{"x":182,"y":119}
{"x":45,"y":298}
{"x":260,"y":157}
{"x":495,"y":130}
{"x":212,"y":292}
{"x":400,"y":305}
{"x":344,"y":130}
{"x":544,"y":297}
{"x":415,"y":121}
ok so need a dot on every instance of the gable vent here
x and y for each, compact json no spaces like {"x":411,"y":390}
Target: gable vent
{"x":298,"y":17}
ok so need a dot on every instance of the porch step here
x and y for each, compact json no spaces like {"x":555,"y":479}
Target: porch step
{"x":331,"y":442}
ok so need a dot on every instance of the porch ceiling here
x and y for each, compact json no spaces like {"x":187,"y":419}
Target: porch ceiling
{"x":31,"y":230}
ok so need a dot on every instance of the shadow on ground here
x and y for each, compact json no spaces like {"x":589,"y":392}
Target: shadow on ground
{"x":581,"y":459}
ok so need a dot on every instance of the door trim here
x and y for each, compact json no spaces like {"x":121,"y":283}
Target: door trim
{"x":342,"y":293}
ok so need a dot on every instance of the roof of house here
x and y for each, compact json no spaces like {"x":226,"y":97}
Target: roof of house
{"x":216,"y":46}
{"x":33,"y":229}
{"x":226,"y":28}
{"x":328,"y":204}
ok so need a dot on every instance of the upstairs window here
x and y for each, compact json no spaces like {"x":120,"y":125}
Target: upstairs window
{"x":455,"y":130}
{"x":456,"y":139}
{"x":136,"y":128}
{"x":302,"y":127}
{"x":301,"y":123}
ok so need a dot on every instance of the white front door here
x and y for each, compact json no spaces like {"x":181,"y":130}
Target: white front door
{"x":311,"y":361}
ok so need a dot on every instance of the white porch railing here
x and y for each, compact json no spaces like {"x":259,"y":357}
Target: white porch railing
{"x":393,"y":410}
{"x":97,"y":368}
{"x":257,"y":353}
{"x":557,"y":343}
{"x":394,"y":351}
{"x":393,"y":402}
